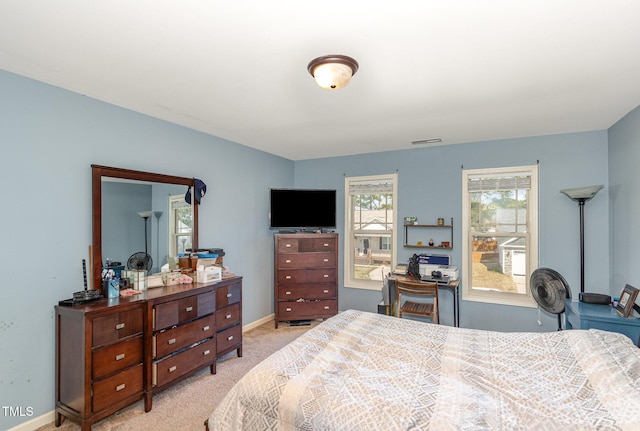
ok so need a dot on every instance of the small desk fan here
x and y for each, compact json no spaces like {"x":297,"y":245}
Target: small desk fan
{"x":140,"y":261}
{"x":550,"y":289}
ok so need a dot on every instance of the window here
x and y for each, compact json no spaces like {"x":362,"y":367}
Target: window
{"x":180,"y":225}
{"x":370,"y":220}
{"x":500,"y":234}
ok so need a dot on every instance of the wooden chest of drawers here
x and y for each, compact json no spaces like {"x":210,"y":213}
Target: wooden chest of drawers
{"x":111,"y":353}
{"x":100,"y":360}
{"x":305,"y":276}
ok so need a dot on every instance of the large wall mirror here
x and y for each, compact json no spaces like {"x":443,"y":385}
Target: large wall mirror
{"x":140,"y":213}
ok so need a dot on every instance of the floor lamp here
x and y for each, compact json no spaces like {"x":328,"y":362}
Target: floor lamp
{"x":582,"y":195}
{"x":145,"y":215}
{"x":158,"y":214}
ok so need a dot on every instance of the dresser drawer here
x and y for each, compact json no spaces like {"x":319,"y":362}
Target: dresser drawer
{"x":115,"y":326}
{"x":307,"y":260}
{"x":326,"y":275}
{"x":168,"y":369}
{"x":174,"y":339}
{"x":112,"y":389}
{"x":307,"y":309}
{"x":306,"y":245}
{"x":183,"y":310}
{"x":228,"y":316}
{"x":294,"y":292}
{"x":119,"y":356}
{"x":229,"y":339}
{"x":227,"y":295}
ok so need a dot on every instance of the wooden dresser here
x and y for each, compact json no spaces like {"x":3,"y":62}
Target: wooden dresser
{"x":111,"y":353}
{"x":305,"y":276}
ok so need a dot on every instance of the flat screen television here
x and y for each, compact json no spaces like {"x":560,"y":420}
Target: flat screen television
{"x":302,"y":209}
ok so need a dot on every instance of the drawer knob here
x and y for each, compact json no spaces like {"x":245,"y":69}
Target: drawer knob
{"x":326,"y":245}
{"x":288,"y":277}
{"x":171,"y":341}
{"x":230,"y":337}
{"x":229,"y":295}
{"x":120,"y":387}
{"x":288,"y":245}
{"x":326,"y":307}
{"x":287,"y":261}
{"x":326,"y":275}
{"x":120,"y":326}
{"x":172,"y":369}
{"x":288,"y":309}
{"x":325,"y":291}
{"x":287,"y":293}
{"x":120,"y":357}
{"x":206,"y":352}
{"x":228,"y":316}
{"x":325,"y":260}
{"x":189,"y":309}
{"x":206,"y":328}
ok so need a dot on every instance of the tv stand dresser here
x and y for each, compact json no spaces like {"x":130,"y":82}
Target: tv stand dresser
{"x":305,"y":276}
{"x":113,"y":352}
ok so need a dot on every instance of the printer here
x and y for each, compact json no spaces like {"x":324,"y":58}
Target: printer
{"x":449,"y":271}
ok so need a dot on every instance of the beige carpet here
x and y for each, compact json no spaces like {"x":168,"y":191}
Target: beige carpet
{"x":185,"y":406}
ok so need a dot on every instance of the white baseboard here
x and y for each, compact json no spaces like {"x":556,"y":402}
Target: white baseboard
{"x":258,"y":322}
{"x":49,"y":417}
{"x":35,"y":423}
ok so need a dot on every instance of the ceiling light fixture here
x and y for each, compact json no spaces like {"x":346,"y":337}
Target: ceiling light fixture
{"x":333,"y":72}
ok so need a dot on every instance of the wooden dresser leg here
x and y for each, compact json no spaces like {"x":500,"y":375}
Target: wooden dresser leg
{"x":147,"y":402}
{"x":213,"y":367}
{"x":59,"y":419}
{"x":240,"y":352}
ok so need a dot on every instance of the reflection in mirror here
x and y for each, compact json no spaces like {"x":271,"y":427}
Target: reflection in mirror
{"x":135,"y":211}
{"x":142,"y":217}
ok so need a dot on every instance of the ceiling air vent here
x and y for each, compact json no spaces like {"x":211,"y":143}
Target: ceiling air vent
{"x":427,"y":141}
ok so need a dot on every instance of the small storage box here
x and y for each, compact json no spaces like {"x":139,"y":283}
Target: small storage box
{"x":209,"y":274}
{"x":171,"y":278}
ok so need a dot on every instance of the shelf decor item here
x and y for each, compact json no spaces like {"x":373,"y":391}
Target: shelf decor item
{"x":627,"y":300}
{"x":411,"y":220}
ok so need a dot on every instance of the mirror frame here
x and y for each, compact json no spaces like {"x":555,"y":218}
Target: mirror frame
{"x":97,"y":172}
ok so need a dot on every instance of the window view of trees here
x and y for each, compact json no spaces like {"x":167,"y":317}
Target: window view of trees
{"x":372,"y":230}
{"x":369,"y":237}
{"x":498,"y":222}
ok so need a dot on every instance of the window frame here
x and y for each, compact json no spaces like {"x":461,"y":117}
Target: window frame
{"x":532,"y":239}
{"x":172,"y":234}
{"x":349,"y":280}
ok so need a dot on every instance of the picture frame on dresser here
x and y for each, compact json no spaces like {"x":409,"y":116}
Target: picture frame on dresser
{"x":627,"y":300}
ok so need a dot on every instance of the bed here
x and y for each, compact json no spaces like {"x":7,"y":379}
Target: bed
{"x":365,"y":371}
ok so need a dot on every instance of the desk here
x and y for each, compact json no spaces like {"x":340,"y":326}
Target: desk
{"x":598,"y":316}
{"x":452,"y":286}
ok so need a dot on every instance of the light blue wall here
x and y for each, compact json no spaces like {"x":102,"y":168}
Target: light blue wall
{"x":122,"y":227}
{"x":429,"y":186}
{"x":624,"y":201}
{"x":49,"y":139}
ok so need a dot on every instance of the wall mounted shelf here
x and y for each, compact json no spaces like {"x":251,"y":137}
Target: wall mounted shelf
{"x":422,"y":233}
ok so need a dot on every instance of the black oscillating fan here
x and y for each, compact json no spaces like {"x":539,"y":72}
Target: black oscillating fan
{"x":140,"y":261}
{"x":550,"y":289}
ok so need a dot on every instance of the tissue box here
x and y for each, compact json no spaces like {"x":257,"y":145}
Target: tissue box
{"x":154,"y":280}
{"x":170,"y":278}
{"x":209,"y":274}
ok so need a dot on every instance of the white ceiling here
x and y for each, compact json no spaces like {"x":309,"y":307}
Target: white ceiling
{"x":459,"y":70}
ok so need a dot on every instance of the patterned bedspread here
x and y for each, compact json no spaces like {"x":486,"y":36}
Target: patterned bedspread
{"x":364,"y":371}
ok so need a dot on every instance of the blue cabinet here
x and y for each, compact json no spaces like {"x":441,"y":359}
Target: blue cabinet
{"x":597,"y":316}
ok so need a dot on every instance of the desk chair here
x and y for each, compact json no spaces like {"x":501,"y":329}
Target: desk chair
{"x":414,"y":308}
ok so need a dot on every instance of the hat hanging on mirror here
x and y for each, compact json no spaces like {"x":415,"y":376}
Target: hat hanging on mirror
{"x":201,"y":190}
